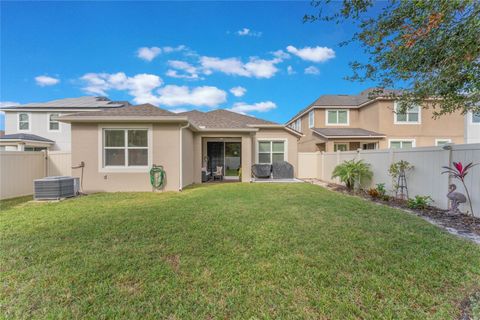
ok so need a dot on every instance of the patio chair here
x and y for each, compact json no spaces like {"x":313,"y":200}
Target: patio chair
{"x":218,"y":173}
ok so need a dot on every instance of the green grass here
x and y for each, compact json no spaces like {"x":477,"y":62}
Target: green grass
{"x":236,"y":251}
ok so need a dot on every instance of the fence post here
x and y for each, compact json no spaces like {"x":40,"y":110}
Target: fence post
{"x":45,"y":162}
{"x":322,"y":164}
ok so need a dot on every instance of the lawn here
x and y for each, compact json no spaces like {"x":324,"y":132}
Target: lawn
{"x":230,"y":251}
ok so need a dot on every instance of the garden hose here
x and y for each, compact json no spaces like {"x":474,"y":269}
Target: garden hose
{"x":157,"y":177}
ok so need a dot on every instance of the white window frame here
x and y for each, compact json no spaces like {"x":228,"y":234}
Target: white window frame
{"x":298,"y":125}
{"x":29,"y":122}
{"x":125,"y":168}
{"x":401,"y":140}
{"x":311,"y":119}
{"x":341,"y":143}
{"x":285,"y":149}
{"x":48,"y":122}
{"x":395,"y":121}
{"x":442,"y":140}
{"x":470,"y":115}
{"x":337,"y":124}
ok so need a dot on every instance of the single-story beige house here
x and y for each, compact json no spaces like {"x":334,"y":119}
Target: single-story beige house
{"x":120,"y":145}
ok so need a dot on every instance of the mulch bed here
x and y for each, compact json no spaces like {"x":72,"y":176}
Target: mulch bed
{"x":461,"y":222}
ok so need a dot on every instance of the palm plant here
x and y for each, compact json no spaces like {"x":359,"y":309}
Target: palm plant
{"x":352,"y":171}
{"x":458,"y":171}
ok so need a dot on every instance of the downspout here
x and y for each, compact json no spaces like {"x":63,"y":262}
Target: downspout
{"x":180,"y":182}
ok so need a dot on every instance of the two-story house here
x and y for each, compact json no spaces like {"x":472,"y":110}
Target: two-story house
{"x":351,"y":122}
{"x":34,"y":126}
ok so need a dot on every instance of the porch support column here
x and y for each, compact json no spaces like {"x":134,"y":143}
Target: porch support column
{"x":329,"y":146}
{"x":197,"y":158}
{"x":247,"y":157}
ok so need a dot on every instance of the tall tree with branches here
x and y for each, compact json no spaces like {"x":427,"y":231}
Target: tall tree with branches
{"x":428,"y":48}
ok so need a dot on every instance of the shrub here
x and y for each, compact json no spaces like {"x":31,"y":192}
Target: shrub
{"x":373,"y":192}
{"x":419,"y":202}
{"x":352,"y":172}
{"x":381,"y":189}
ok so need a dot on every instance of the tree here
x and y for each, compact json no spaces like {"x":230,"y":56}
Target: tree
{"x":427,"y":48}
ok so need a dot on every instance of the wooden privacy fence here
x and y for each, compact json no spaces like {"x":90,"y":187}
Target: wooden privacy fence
{"x":18,"y":169}
{"x":424,"y":179}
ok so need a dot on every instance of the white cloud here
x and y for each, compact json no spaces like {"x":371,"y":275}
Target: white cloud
{"x":238,"y":91}
{"x":242,"y":107}
{"x":139,"y":86}
{"x":190,"y":72}
{"x":258,"y":68}
{"x":280,"y":54}
{"x":315,"y":54}
{"x":290,"y":70}
{"x":178,"y":110}
{"x":248,"y":32}
{"x":174,"y":49}
{"x":4,"y":104}
{"x":207,"y":96}
{"x":44,"y":81}
{"x":146,"y":88}
{"x":148,"y":54}
{"x":312,"y":70}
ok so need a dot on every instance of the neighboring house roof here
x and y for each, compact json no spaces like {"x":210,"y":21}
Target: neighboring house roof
{"x":140,"y":113}
{"x":2,"y":133}
{"x":346,"y":101}
{"x":24,"y":137}
{"x":216,"y":120}
{"x":329,"y":133}
{"x":224,"y":119}
{"x":86,"y":102}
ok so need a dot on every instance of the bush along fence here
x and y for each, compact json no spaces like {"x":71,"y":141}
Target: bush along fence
{"x":424,"y":178}
{"x":19,"y":168}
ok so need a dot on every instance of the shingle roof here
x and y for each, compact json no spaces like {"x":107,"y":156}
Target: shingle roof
{"x":346,"y":132}
{"x":86,"y":102}
{"x":347,"y":101}
{"x":223,"y":119}
{"x":25,"y":136}
{"x":141,"y":110}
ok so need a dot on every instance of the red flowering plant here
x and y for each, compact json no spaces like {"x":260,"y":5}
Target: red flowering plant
{"x":458,"y":171}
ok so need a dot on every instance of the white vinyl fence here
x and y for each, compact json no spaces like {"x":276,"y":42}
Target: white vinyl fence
{"x":424,"y":179}
{"x":18,"y":169}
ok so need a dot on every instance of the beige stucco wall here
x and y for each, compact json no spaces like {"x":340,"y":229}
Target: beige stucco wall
{"x":165,"y":151}
{"x":187,"y":157}
{"x":379,"y":117}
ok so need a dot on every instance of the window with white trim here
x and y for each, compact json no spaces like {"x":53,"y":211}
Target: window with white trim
{"x":271,"y":151}
{"x":23,"y":121}
{"x":340,"y":147}
{"x":337,"y":117}
{"x":442,"y":142}
{"x":125,"y":148}
{"x":298,"y":125}
{"x":411,"y":115}
{"x":401,"y":144}
{"x":311,"y":119}
{"x":53,"y":125}
{"x":475,"y":117}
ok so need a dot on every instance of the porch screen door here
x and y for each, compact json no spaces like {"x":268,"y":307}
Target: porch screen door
{"x":215,"y":153}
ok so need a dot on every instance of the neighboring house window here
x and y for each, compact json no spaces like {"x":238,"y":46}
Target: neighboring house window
{"x":298,"y":125}
{"x":23,"y":122}
{"x":271,"y":151}
{"x":475,"y":117}
{"x":442,"y":142}
{"x":311,"y":119}
{"x":337,"y":117}
{"x":340,"y":147}
{"x":34,"y":148}
{"x":401,"y":144}
{"x":125,"y":147}
{"x":411,"y":115}
{"x":53,"y":125}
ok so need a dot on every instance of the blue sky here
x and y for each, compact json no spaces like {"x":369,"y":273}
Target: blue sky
{"x":253,"y":57}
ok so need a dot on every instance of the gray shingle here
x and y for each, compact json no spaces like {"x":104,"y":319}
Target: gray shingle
{"x":24,"y":136}
{"x":222,"y":119}
{"x":346,"y":132}
{"x":86,"y":102}
{"x":141,"y":110}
